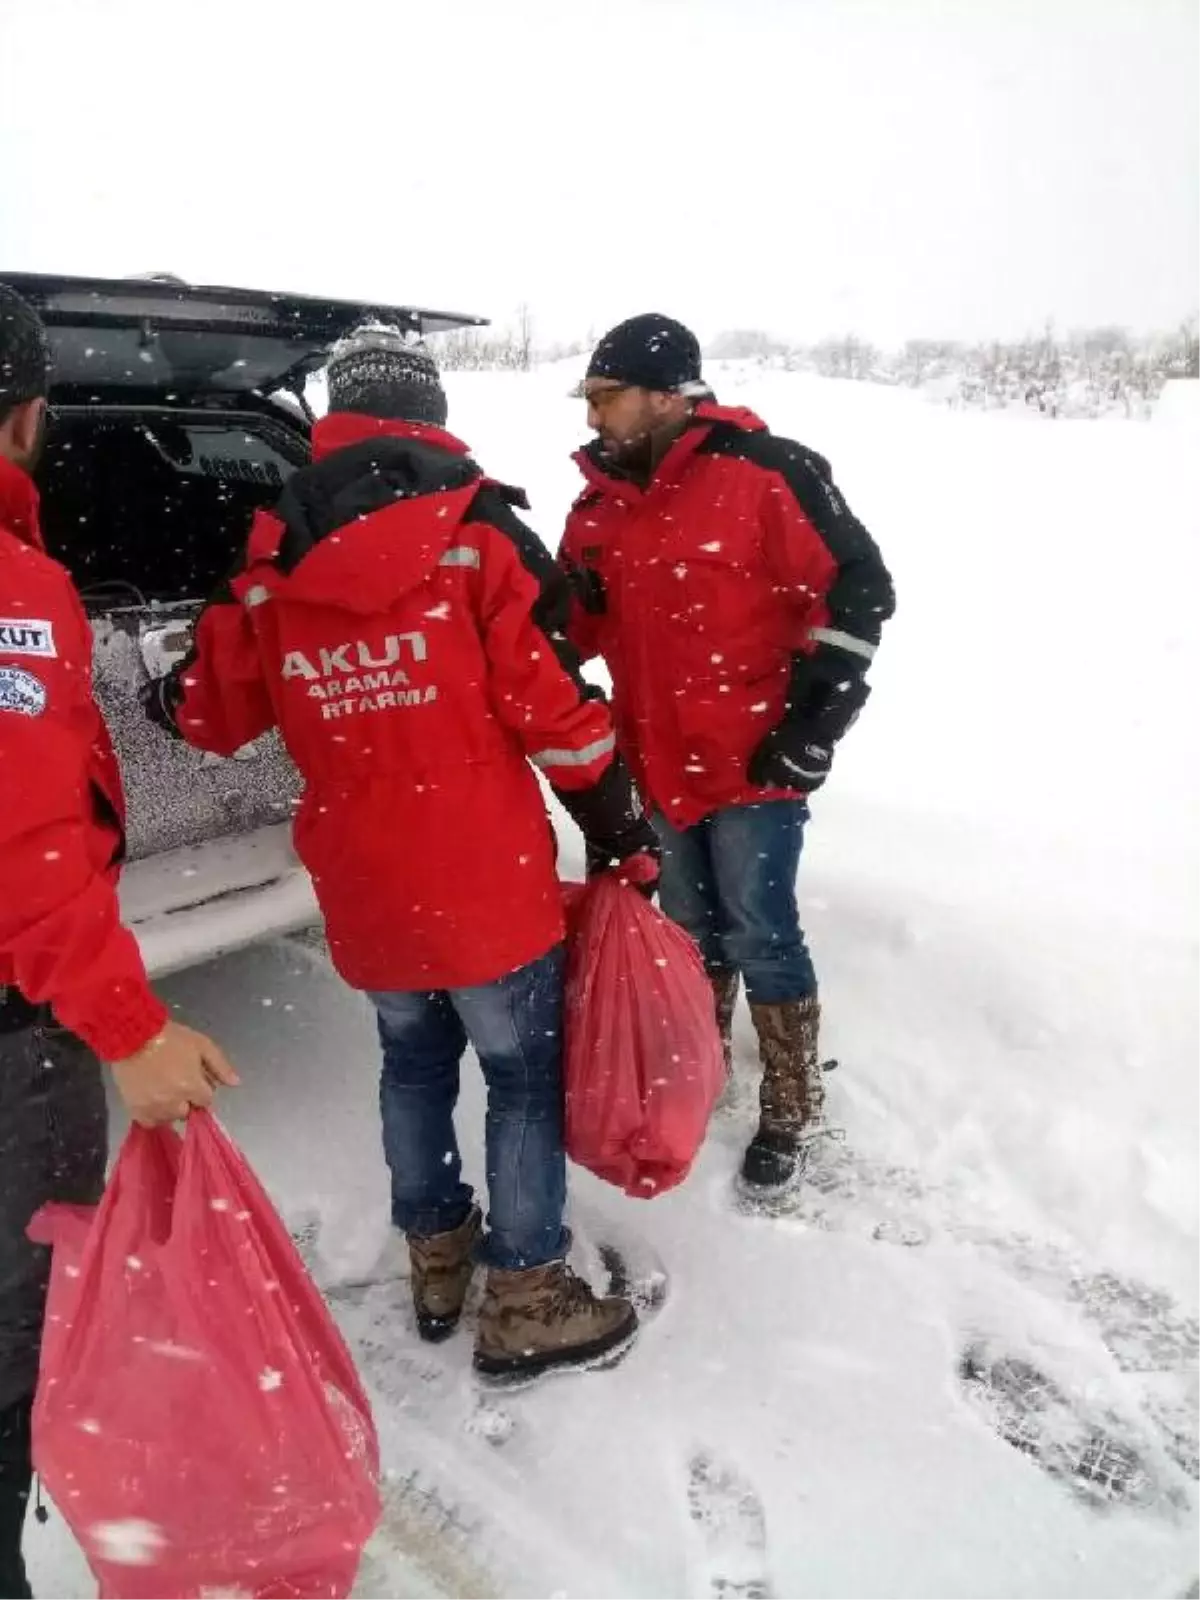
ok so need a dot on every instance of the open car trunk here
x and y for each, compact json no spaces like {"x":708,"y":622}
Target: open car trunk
{"x":170,"y":425}
{"x":149,"y":509}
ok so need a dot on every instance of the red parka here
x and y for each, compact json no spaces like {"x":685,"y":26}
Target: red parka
{"x":403,"y":629}
{"x":700,"y":590}
{"x":62,"y":809}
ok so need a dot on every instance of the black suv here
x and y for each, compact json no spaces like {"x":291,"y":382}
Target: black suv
{"x":176,"y":411}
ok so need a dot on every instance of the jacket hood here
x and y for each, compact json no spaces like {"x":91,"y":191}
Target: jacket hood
{"x":19,"y":504}
{"x":372,"y":516}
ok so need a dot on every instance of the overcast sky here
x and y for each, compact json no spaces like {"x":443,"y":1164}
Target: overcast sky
{"x":895,"y":167}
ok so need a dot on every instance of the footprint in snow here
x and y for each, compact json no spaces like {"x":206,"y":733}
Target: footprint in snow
{"x":1096,"y":1454}
{"x":1142,"y":1327}
{"x":616,"y":1258}
{"x":840,"y":1192}
{"x":1152,"y":1341}
{"x":731,"y":1531}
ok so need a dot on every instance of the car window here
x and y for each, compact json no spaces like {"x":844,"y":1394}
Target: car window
{"x":173,"y":362}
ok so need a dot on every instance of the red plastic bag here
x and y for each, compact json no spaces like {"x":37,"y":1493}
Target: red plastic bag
{"x":644,"y":1067}
{"x":199,"y":1421}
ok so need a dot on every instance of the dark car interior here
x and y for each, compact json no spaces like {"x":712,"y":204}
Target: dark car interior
{"x":164,"y":438}
{"x":176,"y":411}
{"x":145,"y":505}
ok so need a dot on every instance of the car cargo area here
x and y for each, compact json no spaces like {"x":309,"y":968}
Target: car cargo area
{"x":147,"y":508}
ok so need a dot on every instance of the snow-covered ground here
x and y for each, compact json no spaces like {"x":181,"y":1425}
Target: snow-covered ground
{"x":963,"y":1363}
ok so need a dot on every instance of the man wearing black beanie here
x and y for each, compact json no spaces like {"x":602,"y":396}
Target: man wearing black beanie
{"x":738,"y":603}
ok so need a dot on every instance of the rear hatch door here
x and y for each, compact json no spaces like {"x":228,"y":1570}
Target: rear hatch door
{"x":183,"y":341}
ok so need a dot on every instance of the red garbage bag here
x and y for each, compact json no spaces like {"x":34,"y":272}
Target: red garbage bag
{"x":198,"y":1421}
{"x":643,"y":1067}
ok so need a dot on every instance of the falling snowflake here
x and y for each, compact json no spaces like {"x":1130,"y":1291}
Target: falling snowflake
{"x":130,"y":1543}
{"x":173,"y":1352}
{"x":270,"y":1379}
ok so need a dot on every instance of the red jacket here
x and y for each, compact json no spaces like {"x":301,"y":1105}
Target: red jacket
{"x":62,"y":810}
{"x":396,"y":621}
{"x":699,"y":591}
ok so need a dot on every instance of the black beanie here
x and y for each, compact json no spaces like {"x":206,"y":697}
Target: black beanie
{"x":24,"y":352}
{"x":378,"y":372}
{"x":650,"y":352}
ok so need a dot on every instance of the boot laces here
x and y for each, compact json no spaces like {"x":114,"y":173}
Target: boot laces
{"x":566,"y":1296}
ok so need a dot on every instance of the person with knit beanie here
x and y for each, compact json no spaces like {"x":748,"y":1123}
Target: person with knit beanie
{"x":404,"y":630}
{"x":377,"y":372}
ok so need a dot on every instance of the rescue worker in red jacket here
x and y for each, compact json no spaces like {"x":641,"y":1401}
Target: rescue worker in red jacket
{"x":404,"y":630}
{"x":738,"y":603}
{"x":73,"y":990}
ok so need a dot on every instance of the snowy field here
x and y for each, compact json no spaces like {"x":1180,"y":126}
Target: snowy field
{"x":963,"y":1362}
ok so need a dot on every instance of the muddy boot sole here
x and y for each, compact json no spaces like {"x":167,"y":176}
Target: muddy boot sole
{"x":596,"y":1356}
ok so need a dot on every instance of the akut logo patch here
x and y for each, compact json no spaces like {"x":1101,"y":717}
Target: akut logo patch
{"x":355,"y":678}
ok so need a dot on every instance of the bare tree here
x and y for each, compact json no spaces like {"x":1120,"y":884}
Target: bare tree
{"x":746,"y":344}
{"x":524,"y":336}
{"x":1191,"y":346}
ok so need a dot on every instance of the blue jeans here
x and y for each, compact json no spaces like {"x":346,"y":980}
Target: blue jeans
{"x":515,"y":1025}
{"x":730,"y":881}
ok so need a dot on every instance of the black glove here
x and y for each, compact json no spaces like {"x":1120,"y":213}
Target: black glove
{"x":17,"y":1013}
{"x":644,"y":862}
{"x":824,"y":698}
{"x":614,"y":826}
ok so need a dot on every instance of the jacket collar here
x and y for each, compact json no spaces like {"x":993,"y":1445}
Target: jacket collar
{"x":19,"y":504}
{"x":707,"y":415}
{"x":340,"y":429}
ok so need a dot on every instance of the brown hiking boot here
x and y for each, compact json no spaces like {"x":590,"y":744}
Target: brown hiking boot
{"x":725,"y":982}
{"x":792,"y":1096}
{"x":442,"y":1264}
{"x":546,"y":1317}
